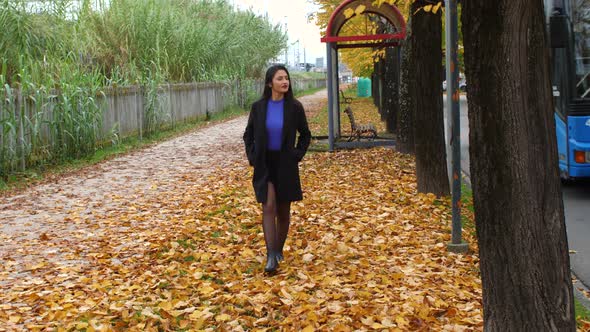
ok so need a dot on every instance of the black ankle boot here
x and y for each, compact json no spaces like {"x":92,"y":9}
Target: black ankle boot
{"x":271,"y":263}
{"x":280,"y":257}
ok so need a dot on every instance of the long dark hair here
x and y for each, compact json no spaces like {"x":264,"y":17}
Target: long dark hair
{"x":270,"y":73}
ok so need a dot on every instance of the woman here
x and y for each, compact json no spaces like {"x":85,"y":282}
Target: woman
{"x":270,"y":146}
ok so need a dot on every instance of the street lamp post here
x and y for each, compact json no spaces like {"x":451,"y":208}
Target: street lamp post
{"x":453,"y":117}
{"x":287,"y":49}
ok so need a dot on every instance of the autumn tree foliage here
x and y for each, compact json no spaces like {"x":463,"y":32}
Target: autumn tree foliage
{"x":519,"y":214}
{"x":359,"y":60}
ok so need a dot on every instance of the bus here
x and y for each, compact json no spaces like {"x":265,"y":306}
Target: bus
{"x":568,"y":23}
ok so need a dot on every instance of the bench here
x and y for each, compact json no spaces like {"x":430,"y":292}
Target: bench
{"x":357,"y":131}
{"x":347,"y":100}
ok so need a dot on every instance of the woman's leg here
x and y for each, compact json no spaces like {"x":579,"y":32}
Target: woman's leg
{"x":269,"y":214}
{"x":283,"y":222}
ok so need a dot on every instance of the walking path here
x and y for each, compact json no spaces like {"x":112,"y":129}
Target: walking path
{"x":57,"y":219}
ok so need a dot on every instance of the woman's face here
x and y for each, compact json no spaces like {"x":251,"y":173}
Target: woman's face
{"x":280,"y":82}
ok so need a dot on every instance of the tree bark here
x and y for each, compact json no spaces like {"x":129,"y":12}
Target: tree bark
{"x":376,"y":87}
{"x":520,"y":225}
{"x":431,"y":162}
{"x":407,"y":100}
{"x":391,"y":86}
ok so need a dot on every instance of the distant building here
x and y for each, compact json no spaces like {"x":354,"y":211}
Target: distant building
{"x":305,"y":67}
{"x":344,"y":73}
{"x":319,"y":62}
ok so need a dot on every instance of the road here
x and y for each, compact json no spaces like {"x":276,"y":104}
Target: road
{"x":576,"y":201}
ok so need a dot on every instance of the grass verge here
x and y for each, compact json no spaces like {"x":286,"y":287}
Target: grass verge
{"x":467,"y":210}
{"x":307,"y":92}
{"x":582,"y":313}
{"x":307,"y":75}
{"x":582,"y":316}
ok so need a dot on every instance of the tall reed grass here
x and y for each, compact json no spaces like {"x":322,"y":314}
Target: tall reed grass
{"x":189,"y":40}
{"x":57,"y":56}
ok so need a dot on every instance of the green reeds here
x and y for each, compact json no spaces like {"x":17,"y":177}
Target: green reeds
{"x":189,"y":40}
{"x":41,"y":124}
{"x":57,"y":56}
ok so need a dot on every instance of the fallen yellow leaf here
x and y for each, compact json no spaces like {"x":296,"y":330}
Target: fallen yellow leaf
{"x":222,"y":318}
{"x":308,"y":328}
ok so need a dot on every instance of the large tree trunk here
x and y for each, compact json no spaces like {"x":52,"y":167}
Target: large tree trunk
{"x":376,"y":81}
{"x":391,"y":86}
{"x":519,"y":216}
{"x":431,"y":162}
{"x":407,"y":97}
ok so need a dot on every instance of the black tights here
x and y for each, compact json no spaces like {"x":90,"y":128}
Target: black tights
{"x":275,"y":221}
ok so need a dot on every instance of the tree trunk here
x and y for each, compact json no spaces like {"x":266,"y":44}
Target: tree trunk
{"x":431,"y":162}
{"x":376,"y":87}
{"x":391,"y":85}
{"x":405,"y":117}
{"x":518,"y":204}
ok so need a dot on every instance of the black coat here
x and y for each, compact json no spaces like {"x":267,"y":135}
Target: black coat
{"x":288,"y":188}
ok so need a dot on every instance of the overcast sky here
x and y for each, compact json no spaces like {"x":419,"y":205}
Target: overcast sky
{"x":293,"y":13}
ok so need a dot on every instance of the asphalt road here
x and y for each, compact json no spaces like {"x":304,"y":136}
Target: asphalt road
{"x":576,"y":201}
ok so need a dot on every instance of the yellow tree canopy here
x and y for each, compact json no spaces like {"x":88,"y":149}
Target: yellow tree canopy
{"x":359,"y":60}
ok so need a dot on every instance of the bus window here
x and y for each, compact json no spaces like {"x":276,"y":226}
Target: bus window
{"x":558,"y":7}
{"x":559,"y":80}
{"x":581,"y":23}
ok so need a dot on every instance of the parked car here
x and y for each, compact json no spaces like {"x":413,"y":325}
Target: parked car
{"x":462,"y":86}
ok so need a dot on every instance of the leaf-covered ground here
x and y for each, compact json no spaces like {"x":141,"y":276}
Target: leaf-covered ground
{"x":364,"y":252}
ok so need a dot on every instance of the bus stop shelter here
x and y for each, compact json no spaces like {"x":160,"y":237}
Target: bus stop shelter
{"x":372,"y":12}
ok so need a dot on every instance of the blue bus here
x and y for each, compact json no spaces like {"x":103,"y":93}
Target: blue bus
{"x":568,"y":23}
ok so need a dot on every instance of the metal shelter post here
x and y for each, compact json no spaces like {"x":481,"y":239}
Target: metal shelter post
{"x":330,"y":97}
{"x":452,"y":67}
{"x":336,"y":92}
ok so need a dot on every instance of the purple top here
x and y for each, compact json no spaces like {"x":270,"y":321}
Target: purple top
{"x":274,"y":124}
